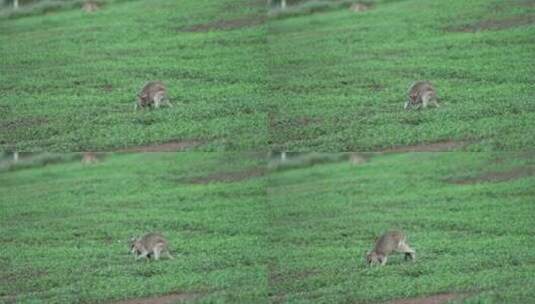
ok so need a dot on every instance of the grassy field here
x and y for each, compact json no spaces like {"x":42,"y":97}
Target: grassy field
{"x":331,"y":80}
{"x":66,"y":227}
{"x":296,"y":235}
{"x":468,"y":216}
{"x":338,"y":79}
{"x":69,"y":80}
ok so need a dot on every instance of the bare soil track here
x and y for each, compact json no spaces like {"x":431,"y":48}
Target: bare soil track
{"x":495,"y":25}
{"x":172,"y":146}
{"x":495,"y":176}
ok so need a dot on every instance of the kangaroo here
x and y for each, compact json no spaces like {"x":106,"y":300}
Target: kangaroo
{"x":153,"y":94}
{"x":387,"y":243}
{"x":421,"y":94}
{"x":359,"y":7}
{"x":90,"y":6}
{"x":150,"y":244}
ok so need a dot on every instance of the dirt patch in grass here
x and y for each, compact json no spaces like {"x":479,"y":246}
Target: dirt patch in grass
{"x":435,"y":299}
{"x":495,"y":176}
{"x":228,"y":177}
{"x":167,"y":299}
{"x":488,"y":25}
{"x":225,"y":25}
{"x":172,"y":146}
{"x":431,"y":147}
{"x":107,"y":88}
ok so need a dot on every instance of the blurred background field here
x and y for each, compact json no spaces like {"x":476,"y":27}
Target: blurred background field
{"x":244,"y":75}
{"x":253,"y":228}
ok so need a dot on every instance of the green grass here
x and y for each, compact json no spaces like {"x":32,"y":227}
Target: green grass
{"x":69,"y":80}
{"x":471,"y":239}
{"x":306,"y":80}
{"x":339,"y":79}
{"x":297,"y":235}
{"x":65,"y":230}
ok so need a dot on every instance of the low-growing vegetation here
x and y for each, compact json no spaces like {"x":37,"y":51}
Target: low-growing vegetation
{"x":338,"y":78}
{"x":472,"y":240}
{"x":316,"y":76}
{"x":241,"y":233}
{"x":65,"y":230}
{"x":69,"y":78}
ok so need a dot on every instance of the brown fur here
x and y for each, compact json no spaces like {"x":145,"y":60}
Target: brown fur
{"x":153,"y":94}
{"x":359,"y":7}
{"x":392,"y":241}
{"x":151,"y":244}
{"x":421,"y":94}
{"x":90,"y":6}
{"x":356,"y":159}
{"x":89,"y":158}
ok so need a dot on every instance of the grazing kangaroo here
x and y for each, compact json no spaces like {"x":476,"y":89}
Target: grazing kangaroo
{"x":150,"y":244}
{"x":421,"y":94}
{"x":153,"y":94}
{"x":387,"y":243}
